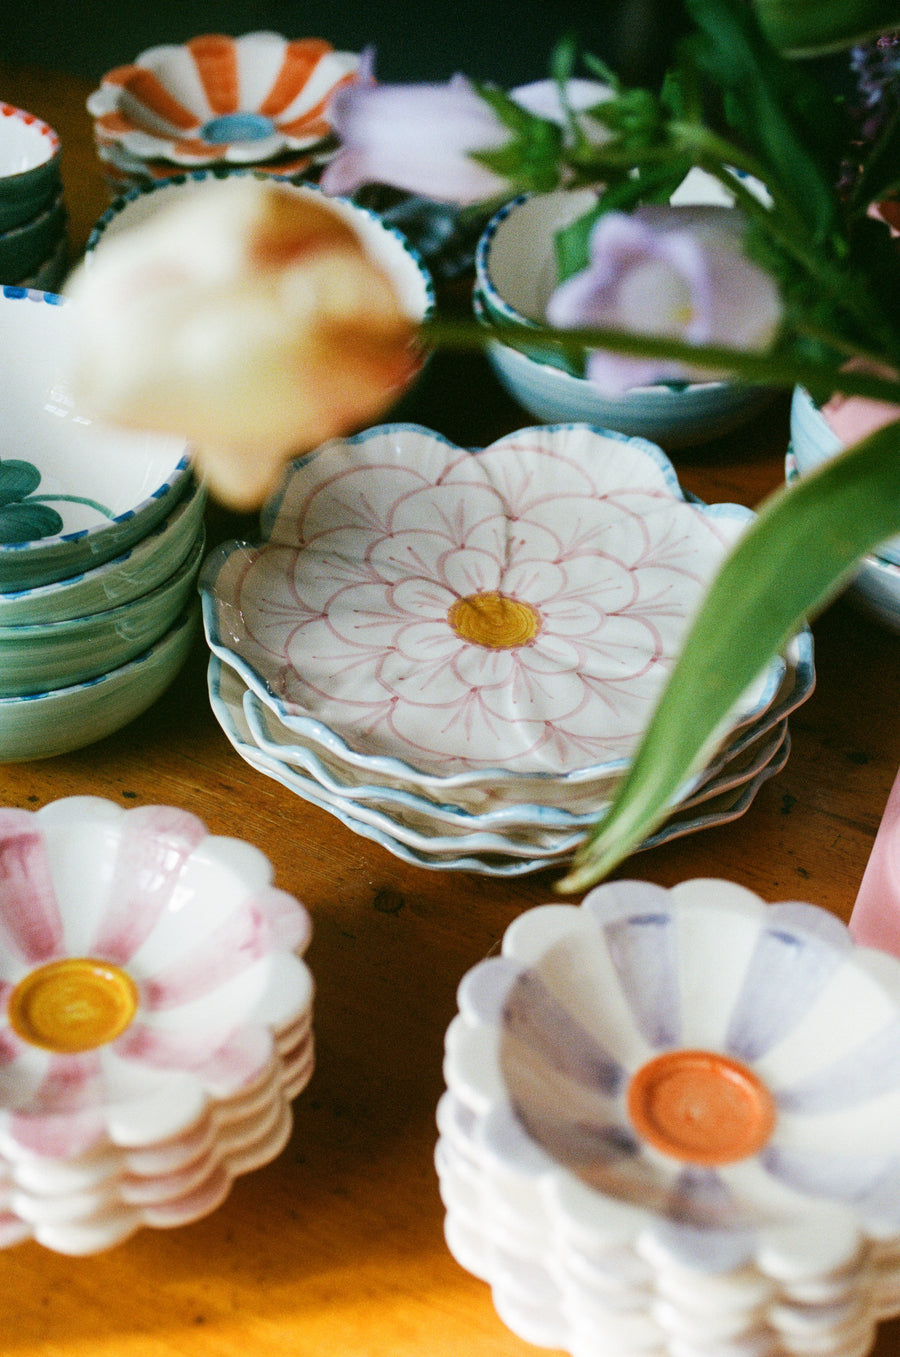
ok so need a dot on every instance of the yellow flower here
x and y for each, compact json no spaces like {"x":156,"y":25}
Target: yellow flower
{"x":249,"y":318}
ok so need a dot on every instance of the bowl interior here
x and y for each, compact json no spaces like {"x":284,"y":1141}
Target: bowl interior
{"x":67,"y":481}
{"x":386,"y":245}
{"x":515,"y":263}
{"x":26,"y":144}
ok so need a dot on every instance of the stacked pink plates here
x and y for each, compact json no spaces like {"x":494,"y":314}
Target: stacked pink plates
{"x":158,"y":1020}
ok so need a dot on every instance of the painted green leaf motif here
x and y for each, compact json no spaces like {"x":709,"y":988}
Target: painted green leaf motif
{"x":792,"y":560}
{"x":21,"y":520}
{"x":27,"y":522}
{"x":17,"y":479}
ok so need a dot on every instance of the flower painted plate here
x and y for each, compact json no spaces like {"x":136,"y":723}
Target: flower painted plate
{"x":221,"y":99}
{"x":458,"y":617}
{"x":577,"y":1187}
{"x":493,"y":852}
{"x":481,"y":806}
{"x":138,"y":1083}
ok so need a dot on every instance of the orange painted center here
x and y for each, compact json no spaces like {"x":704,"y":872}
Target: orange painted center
{"x":73,"y":1005}
{"x":700,"y":1107}
{"x":494,"y":620}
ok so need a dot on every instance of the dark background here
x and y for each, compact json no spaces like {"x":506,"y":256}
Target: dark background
{"x":509,"y":43}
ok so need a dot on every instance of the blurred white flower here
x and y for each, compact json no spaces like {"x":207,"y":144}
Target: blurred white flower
{"x":249,"y":319}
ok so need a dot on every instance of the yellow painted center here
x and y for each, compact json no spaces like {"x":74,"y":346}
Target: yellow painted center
{"x":494,"y":620}
{"x":701,"y":1107}
{"x":73,"y":1005}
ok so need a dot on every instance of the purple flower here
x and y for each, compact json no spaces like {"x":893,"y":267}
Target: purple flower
{"x":415,"y":137}
{"x":667,"y":271}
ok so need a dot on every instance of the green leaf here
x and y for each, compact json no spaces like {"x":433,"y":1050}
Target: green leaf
{"x":797,"y":554}
{"x":783,"y":113}
{"x":808,"y":27}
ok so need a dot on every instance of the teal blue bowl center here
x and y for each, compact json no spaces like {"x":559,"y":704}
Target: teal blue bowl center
{"x":237,"y":127}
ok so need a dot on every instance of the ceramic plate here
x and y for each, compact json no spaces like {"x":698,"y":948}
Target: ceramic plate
{"x":491,"y":854}
{"x":473,"y":618}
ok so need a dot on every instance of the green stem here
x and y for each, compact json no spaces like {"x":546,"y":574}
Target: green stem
{"x":767,"y":369}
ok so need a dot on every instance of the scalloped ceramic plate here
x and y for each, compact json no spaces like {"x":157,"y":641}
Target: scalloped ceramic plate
{"x":480,"y":807}
{"x":506,"y":616}
{"x":423,"y":842}
{"x":576,"y":1185}
{"x":182,"y":1077}
{"x":221,"y":99}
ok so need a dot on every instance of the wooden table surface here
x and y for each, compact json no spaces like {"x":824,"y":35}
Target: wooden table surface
{"x":336,"y":1248}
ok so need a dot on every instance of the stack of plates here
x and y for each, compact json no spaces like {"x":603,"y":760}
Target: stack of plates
{"x":665,"y":1130}
{"x":456,"y":652}
{"x":101,"y":539}
{"x":137,"y":1086}
{"x":217,"y":102}
{"x":34,"y":246}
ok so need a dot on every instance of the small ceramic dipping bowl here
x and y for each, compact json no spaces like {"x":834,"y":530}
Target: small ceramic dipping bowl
{"x":29,"y":166}
{"x":515,"y":269}
{"x":73,"y":492}
{"x":42,"y":656}
{"x":220,"y":100}
{"x":41,"y":725}
{"x":814,"y":441}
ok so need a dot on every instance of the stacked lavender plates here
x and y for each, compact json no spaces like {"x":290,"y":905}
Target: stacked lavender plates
{"x":668,"y":1127}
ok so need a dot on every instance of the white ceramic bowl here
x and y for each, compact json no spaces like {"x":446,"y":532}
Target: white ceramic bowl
{"x":44,"y":724}
{"x":136,"y":571}
{"x":589,"y":1168}
{"x":516,"y":272}
{"x":41,"y":656}
{"x":218,"y":99}
{"x":875,"y":587}
{"x":387,"y":246}
{"x":73,"y":493}
{"x":183,"y":1082}
{"x":814,"y":442}
{"x":29,"y":166}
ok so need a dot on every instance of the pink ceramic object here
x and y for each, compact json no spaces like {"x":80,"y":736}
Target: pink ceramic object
{"x":875,"y":921}
{"x":156,"y":1019}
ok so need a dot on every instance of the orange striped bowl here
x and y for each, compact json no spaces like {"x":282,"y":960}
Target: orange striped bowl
{"x":217,"y":99}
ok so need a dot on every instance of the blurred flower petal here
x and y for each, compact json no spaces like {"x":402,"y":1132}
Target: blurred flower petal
{"x":667,"y":271}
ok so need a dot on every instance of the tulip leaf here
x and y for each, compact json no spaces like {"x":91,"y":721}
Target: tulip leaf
{"x":797,"y":554}
{"x":791,"y":122}
{"x":807,"y":27}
